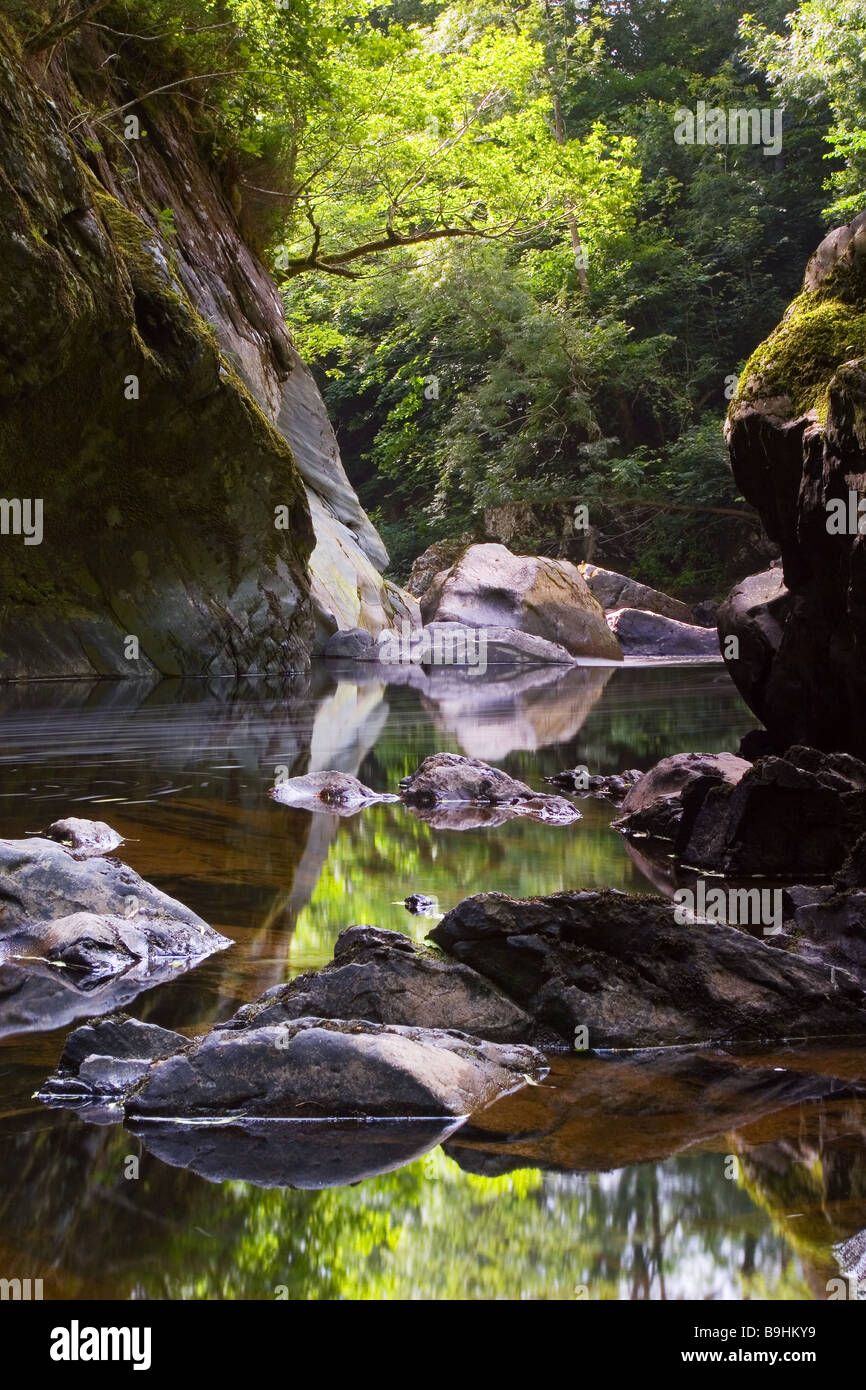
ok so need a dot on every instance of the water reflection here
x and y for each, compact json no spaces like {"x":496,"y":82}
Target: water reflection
{"x":610,"y":1177}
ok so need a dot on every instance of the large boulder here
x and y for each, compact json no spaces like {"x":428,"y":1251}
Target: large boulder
{"x":617,"y":591}
{"x":490,"y":587}
{"x":316,"y":1066}
{"x":385,"y":977}
{"x":641,"y":633}
{"x":625,"y":969}
{"x":797,"y":439}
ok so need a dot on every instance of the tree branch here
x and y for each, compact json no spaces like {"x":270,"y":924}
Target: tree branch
{"x":63,"y":27}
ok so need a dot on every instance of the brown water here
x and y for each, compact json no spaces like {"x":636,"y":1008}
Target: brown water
{"x":655,"y":1175}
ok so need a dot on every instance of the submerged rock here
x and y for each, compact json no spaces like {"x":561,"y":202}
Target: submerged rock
{"x":608,"y":786}
{"x":641,"y":633}
{"x":488,"y":587}
{"x":420,"y":905}
{"x":447,"y":780}
{"x":337,"y":792}
{"x":384,"y":977}
{"x":83,"y":838}
{"x":626,"y":970}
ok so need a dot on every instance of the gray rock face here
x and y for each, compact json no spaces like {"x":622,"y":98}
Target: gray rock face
{"x":665,"y":801}
{"x":103,"y":1060}
{"x":488,"y":587}
{"x":354,"y":644}
{"x":384,"y":977}
{"x":756,"y":613}
{"x":447,"y":780}
{"x":445,"y":644}
{"x":323,"y":1067}
{"x":640,"y":633}
{"x":625,"y":969}
{"x":337,"y":792}
{"x":85,"y":839}
{"x":616,"y":591}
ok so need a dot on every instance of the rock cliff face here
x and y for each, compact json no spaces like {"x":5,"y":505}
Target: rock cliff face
{"x":191,"y":489}
{"x":797,"y":440}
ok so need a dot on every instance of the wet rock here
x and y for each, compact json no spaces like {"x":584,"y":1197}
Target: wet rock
{"x":617,"y":591}
{"x":624,"y":968}
{"x":793,"y":816}
{"x":488,"y":587}
{"x":337,"y":792}
{"x":665,"y":801}
{"x":420,"y":905}
{"x":315,"y":1066}
{"x":384,"y":977}
{"x":609,"y":787}
{"x":84,"y":936}
{"x":102,"y":1061}
{"x":83,"y":838}
{"x":447,"y":780}
{"x":640,"y":633}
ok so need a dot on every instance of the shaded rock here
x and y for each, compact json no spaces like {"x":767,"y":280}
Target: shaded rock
{"x":489,"y":646}
{"x":705,"y":613}
{"x":337,"y":792}
{"x":665,"y":801}
{"x":625,"y":969}
{"x":827,"y":927}
{"x":83,"y":838}
{"x":384,"y":977}
{"x":103,"y":1060}
{"x":488,"y":587}
{"x":617,"y":591}
{"x":420,"y":905}
{"x":640,"y":633}
{"x":354,"y":644}
{"x":793,"y":816}
{"x":317,"y":1066}
{"x":797,"y":445}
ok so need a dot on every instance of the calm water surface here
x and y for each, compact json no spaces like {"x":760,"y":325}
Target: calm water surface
{"x":656,"y":1175}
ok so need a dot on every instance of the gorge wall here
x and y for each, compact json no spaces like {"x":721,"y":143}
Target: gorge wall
{"x":192,"y":493}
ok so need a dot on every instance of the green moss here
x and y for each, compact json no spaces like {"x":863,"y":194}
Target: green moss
{"x":800,"y":357}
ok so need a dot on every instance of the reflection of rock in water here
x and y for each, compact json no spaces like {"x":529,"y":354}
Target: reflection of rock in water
{"x":498,"y":713}
{"x":294,"y":1153}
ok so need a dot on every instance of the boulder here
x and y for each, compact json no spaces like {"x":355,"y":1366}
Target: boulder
{"x":665,"y":801}
{"x":337,"y":792}
{"x":624,"y":968}
{"x":103,"y":1060}
{"x":446,"y":779}
{"x":85,"y":839}
{"x":488,"y":587}
{"x":435,"y":560}
{"x":491,"y":646}
{"x":84,"y":937}
{"x":384,"y":977}
{"x":353,"y":644}
{"x":616,"y":591}
{"x":640,"y":633}
{"x":316,"y":1066}
{"x":705,"y":613}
